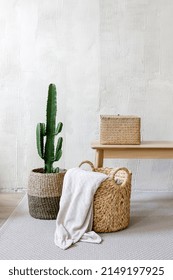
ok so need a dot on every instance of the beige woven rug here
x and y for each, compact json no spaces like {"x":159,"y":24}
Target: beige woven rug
{"x":149,"y":236}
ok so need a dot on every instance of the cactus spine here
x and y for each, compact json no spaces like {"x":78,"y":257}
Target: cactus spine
{"x":46,"y":149}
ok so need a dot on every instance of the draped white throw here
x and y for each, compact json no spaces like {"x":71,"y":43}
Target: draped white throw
{"x":75,"y":217}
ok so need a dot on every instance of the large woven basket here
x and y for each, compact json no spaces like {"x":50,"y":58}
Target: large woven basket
{"x":120,"y":130}
{"x":111,"y":207}
{"x":44,"y":192}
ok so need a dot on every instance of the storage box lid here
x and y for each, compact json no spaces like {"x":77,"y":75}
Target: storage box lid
{"x":118,"y":116}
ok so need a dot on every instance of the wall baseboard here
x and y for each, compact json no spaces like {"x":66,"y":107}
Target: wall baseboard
{"x":12,"y":190}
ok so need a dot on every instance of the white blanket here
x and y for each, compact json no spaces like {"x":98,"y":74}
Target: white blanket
{"x":75,"y":217}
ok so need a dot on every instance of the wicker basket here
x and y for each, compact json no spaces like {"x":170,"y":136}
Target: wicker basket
{"x":111,"y":207}
{"x":44,"y":192}
{"x":119,"y":130}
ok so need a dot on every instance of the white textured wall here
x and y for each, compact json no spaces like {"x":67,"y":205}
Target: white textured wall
{"x":105,"y":56}
{"x":137,"y":76}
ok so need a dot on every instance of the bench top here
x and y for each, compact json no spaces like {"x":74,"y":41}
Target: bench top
{"x":143,"y":145}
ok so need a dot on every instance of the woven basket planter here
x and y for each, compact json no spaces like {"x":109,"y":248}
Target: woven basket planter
{"x":44,"y":192}
{"x":111,"y":207}
{"x":120,"y":130}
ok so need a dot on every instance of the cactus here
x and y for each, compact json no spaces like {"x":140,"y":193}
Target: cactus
{"x":46,"y":149}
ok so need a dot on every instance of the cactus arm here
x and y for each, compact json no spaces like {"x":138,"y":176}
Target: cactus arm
{"x":58,"y":152}
{"x":40,"y":130}
{"x":59,"y":128}
{"x":59,"y":144}
{"x":58,"y":155}
{"x":56,"y":170}
{"x":43,"y":129}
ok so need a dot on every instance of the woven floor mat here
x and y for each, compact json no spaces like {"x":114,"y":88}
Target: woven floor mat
{"x":149,"y":236}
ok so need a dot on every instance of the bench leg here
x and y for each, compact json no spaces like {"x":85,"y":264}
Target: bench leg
{"x":99,"y":158}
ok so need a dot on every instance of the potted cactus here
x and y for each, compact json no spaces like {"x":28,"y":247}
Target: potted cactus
{"x":45,"y":184}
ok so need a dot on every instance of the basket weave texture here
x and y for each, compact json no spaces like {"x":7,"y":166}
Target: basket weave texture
{"x":44,"y":192}
{"x":119,"y":130}
{"x":111,"y":207}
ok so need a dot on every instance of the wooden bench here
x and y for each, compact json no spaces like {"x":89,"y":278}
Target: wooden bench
{"x":146,"y":150}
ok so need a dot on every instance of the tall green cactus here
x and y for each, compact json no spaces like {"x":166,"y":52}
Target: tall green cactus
{"x":47,"y":150}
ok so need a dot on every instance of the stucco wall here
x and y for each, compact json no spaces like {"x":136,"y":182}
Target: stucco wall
{"x":105,"y":56}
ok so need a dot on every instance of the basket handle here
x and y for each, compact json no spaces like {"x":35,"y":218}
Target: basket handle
{"x":113,"y":173}
{"x":88,"y":162}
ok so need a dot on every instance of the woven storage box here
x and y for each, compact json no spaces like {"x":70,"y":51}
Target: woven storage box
{"x":119,"y":130}
{"x":111,"y":207}
{"x":44,"y":192}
